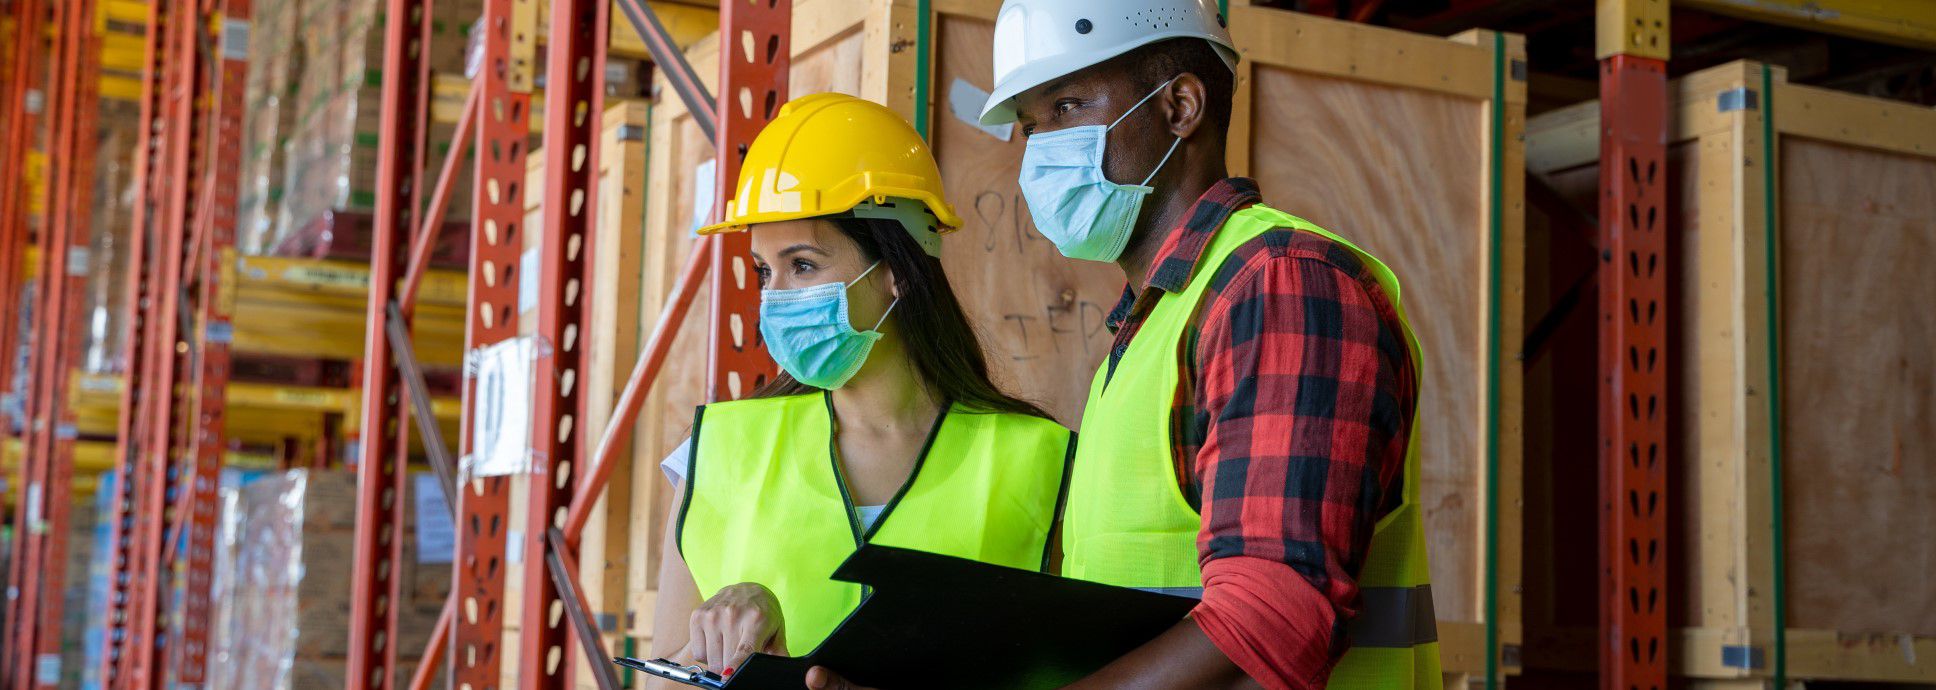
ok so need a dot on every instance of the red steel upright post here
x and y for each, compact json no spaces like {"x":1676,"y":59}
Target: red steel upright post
{"x":1634,"y":313}
{"x":150,"y":186}
{"x":215,"y":304}
{"x":144,"y":661}
{"x":47,"y":467}
{"x":504,"y":84}
{"x":574,"y":103}
{"x":753,"y":85}
{"x":22,"y":108}
{"x":385,"y":446}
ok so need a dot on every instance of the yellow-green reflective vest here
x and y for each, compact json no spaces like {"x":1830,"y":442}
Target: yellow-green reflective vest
{"x":1127,"y":522}
{"x":765,"y":502}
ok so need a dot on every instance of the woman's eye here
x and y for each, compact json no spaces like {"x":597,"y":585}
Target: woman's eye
{"x":802,"y":266}
{"x":764,"y":273}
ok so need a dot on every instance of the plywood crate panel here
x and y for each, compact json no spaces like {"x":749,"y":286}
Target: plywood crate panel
{"x":1818,"y":459}
{"x":1384,"y":99}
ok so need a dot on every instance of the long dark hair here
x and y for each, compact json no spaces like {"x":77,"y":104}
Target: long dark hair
{"x":935,"y":331}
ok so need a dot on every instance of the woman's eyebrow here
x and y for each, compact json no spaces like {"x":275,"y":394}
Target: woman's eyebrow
{"x":798,"y":248}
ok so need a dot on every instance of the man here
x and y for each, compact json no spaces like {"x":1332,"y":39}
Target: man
{"x":1249,"y":438}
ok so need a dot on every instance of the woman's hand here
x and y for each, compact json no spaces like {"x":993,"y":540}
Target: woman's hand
{"x":738,"y":621}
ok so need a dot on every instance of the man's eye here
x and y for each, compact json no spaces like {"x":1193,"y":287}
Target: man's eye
{"x":1064,"y":107}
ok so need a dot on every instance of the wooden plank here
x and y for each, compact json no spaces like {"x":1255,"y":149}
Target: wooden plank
{"x":605,"y":549}
{"x":1858,"y":237}
{"x":1362,"y":53}
{"x":1855,"y":120}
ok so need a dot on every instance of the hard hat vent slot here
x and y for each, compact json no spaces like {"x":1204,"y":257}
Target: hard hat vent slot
{"x":1160,"y":18}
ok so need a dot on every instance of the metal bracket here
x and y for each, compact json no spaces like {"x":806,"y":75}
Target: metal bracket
{"x":1738,"y":98}
{"x":1743,"y":656}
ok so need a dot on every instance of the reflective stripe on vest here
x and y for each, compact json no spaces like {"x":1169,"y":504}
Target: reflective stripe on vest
{"x":765,"y":502}
{"x":1127,"y":522}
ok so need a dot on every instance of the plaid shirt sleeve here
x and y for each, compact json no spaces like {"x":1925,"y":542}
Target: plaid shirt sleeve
{"x":1290,"y":425}
{"x":1300,"y":416}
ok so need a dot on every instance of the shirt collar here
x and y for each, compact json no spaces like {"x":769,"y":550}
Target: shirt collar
{"x":1177,"y":259}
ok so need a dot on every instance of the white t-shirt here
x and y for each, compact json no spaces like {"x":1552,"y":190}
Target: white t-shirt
{"x":677,"y":465}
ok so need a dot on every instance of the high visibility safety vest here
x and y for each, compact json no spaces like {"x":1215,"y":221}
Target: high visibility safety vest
{"x":766,"y":502}
{"x":1127,"y":523}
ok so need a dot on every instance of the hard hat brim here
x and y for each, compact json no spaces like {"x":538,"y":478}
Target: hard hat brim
{"x":1000,"y":108}
{"x":943,"y":212}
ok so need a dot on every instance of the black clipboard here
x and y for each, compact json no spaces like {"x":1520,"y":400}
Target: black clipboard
{"x":933,"y":621}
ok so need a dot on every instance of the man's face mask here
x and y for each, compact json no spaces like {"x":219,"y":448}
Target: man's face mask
{"x":1073,"y":202}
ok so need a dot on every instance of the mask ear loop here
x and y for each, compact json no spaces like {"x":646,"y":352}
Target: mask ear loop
{"x":883,"y":321}
{"x":1139,"y":104}
{"x":1173,"y":144}
{"x":890,"y":305}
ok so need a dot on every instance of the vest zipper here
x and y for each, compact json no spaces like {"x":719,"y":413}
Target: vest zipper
{"x":840,"y":476}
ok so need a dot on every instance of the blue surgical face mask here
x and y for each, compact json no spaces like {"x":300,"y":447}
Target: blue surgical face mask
{"x":1073,"y":202}
{"x":808,"y":333}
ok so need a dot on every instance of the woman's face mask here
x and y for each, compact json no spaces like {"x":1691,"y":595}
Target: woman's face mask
{"x":808,"y":334}
{"x":1073,"y":202}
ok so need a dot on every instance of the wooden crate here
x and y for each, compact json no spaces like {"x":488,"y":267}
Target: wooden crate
{"x":1399,"y":126}
{"x":1803,"y":464}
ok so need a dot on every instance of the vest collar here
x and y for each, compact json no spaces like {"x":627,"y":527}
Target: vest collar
{"x":1182,"y":248}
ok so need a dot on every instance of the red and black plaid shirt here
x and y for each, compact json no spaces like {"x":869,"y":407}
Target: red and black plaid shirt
{"x":1292,"y":414}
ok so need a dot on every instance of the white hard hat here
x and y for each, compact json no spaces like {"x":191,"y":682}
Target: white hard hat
{"x":1039,"y":41}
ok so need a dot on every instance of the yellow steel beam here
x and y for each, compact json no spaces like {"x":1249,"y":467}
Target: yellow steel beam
{"x":1630,"y":27}
{"x":1909,"y":23}
{"x":125,"y":11}
{"x":115,"y":88}
{"x":338,"y":278}
{"x":102,"y":390}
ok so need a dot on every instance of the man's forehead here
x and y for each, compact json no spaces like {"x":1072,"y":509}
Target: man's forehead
{"x":1090,"y":79}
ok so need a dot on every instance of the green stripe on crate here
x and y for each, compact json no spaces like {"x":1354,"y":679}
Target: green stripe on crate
{"x":1771,"y":229}
{"x":1496,"y":194}
{"x":923,"y":64}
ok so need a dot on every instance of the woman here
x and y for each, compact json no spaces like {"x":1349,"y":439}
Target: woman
{"x":890,"y":435}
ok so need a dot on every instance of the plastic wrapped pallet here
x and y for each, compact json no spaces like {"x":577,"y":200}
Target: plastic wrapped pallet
{"x":107,"y":262}
{"x":331,"y":152}
{"x":269,"y":91}
{"x":287,"y":608}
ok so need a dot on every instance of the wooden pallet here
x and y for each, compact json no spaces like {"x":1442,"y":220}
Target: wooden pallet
{"x":1379,"y":135}
{"x":1838,"y":480}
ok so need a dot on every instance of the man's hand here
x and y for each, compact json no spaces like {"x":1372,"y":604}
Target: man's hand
{"x":823,"y":678}
{"x":738,"y":621}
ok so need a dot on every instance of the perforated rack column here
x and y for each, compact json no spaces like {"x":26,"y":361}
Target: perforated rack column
{"x":755,"y":56}
{"x":574,"y":107}
{"x":1634,"y":313}
{"x":384,"y":447}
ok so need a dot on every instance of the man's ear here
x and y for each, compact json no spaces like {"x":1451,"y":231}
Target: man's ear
{"x":1186,"y":97}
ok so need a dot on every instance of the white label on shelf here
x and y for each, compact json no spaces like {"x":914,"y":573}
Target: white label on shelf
{"x":528,"y":281}
{"x":235,"y":39}
{"x":501,"y":418}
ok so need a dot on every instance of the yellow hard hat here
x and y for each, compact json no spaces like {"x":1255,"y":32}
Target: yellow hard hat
{"x":829,"y":154}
